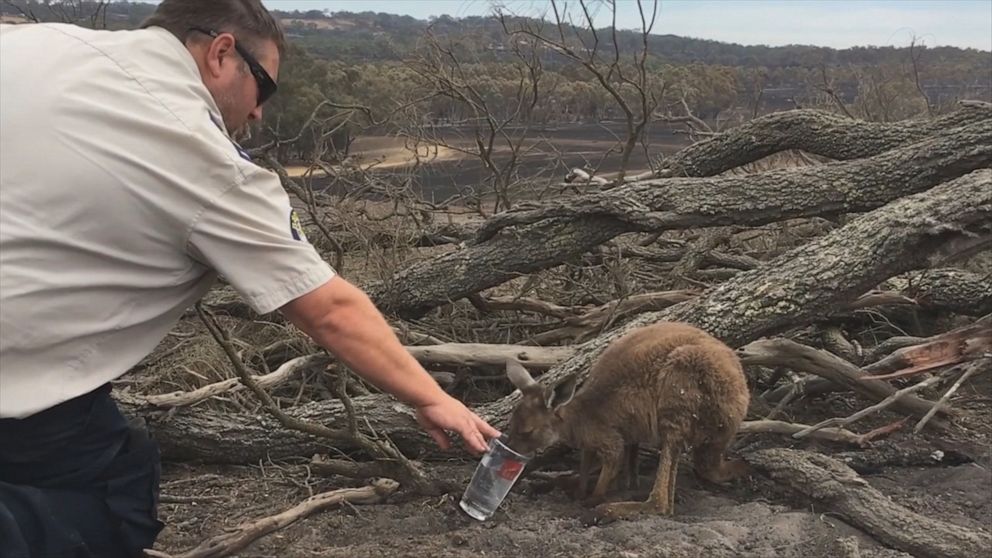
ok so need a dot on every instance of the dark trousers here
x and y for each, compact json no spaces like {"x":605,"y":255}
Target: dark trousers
{"x":77,"y":482}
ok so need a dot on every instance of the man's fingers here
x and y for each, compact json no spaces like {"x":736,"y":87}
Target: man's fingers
{"x":487,"y":431}
{"x":476,"y":441}
{"x":472,"y":438}
{"x":474,"y":431}
{"x":440,"y":438}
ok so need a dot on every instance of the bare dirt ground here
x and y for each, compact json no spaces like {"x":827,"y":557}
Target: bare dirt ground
{"x":575,"y":145}
{"x":755,"y":518}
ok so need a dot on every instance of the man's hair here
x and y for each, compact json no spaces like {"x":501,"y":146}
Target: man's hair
{"x":248,"y":20}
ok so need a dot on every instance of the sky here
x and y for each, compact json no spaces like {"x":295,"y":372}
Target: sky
{"x":832,"y":23}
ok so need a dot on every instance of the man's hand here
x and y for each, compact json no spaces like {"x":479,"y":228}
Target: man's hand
{"x":451,"y":415}
{"x":341,"y":318}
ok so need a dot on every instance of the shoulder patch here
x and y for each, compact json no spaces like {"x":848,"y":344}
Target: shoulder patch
{"x":296,"y":227}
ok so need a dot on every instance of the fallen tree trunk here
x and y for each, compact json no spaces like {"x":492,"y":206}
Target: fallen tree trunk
{"x":839,"y":489}
{"x":674,"y":253}
{"x":528,"y":240}
{"x":481,"y":354}
{"x":208,"y":436}
{"x":950,"y":290}
{"x":960,"y":345}
{"x":807,"y":282}
{"x":204,"y":435}
{"x":844,"y":187}
{"x":588,"y":324}
{"x":813,"y":131}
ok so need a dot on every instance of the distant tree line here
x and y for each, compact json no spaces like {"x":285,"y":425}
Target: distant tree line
{"x":375,"y":61}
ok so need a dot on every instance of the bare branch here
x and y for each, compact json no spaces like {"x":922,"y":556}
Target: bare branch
{"x":242,"y":536}
{"x":791,"y":429}
{"x":827,"y":87}
{"x":915,"y":56}
{"x":883,"y":404}
{"x":983,"y":365}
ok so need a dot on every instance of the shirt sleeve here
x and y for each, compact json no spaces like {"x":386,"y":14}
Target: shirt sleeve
{"x":252,"y":237}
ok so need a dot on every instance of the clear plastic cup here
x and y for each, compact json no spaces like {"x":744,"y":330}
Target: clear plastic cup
{"x":494,"y":476}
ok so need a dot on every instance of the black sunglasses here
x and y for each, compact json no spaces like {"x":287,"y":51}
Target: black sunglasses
{"x":266,"y":85}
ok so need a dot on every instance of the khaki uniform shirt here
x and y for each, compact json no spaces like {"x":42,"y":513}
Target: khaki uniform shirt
{"x":121,"y":198}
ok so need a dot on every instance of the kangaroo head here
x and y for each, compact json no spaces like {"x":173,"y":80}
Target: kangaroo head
{"x":535,"y":423}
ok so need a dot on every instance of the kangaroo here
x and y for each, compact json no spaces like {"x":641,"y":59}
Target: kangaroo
{"x":667,"y":385}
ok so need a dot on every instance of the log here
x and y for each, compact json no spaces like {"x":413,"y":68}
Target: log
{"x":917,"y":453}
{"x":596,"y":319}
{"x":673,"y":252}
{"x":813,"y":131}
{"x":656,"y":205}
{"x":960,"y":345}
{"x":839,"y":489}
{"x":198,"y":434}
{"x":972,"y":343}
{"x":810,"y":386}
{"x":949,"y":290}
{"x":783,"y":352}
{"x":524,"y":304}
{"x":528,"y":240}
{"x":268,"y":381}
{"x":879,"y":298}
{"x":480,"y":354}
{"x":805,"y":283}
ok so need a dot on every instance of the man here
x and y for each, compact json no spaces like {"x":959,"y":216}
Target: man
{"x":122,"y":197}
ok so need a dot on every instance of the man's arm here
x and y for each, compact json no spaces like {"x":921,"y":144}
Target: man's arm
{"x":341,"y":318}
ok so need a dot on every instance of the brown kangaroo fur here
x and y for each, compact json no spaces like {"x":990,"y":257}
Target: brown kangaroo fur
{"x":668,"y":385}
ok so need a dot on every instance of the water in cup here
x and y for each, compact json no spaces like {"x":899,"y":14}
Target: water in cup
{"x":499,"y":469}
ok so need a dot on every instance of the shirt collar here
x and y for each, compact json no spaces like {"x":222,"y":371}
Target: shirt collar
{"x":185,"y":58}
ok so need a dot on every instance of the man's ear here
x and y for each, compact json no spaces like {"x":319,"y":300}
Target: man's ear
{"x":220,"y":52}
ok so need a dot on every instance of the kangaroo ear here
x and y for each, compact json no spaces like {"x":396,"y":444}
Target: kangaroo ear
{"x":562,"y":393}
{"x":519,"y":376}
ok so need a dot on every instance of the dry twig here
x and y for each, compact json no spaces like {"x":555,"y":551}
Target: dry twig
{"x":243,"y":535}
{"x":780,"y":427}
{"x":972,"y":368}
{"x":885,"y":403}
